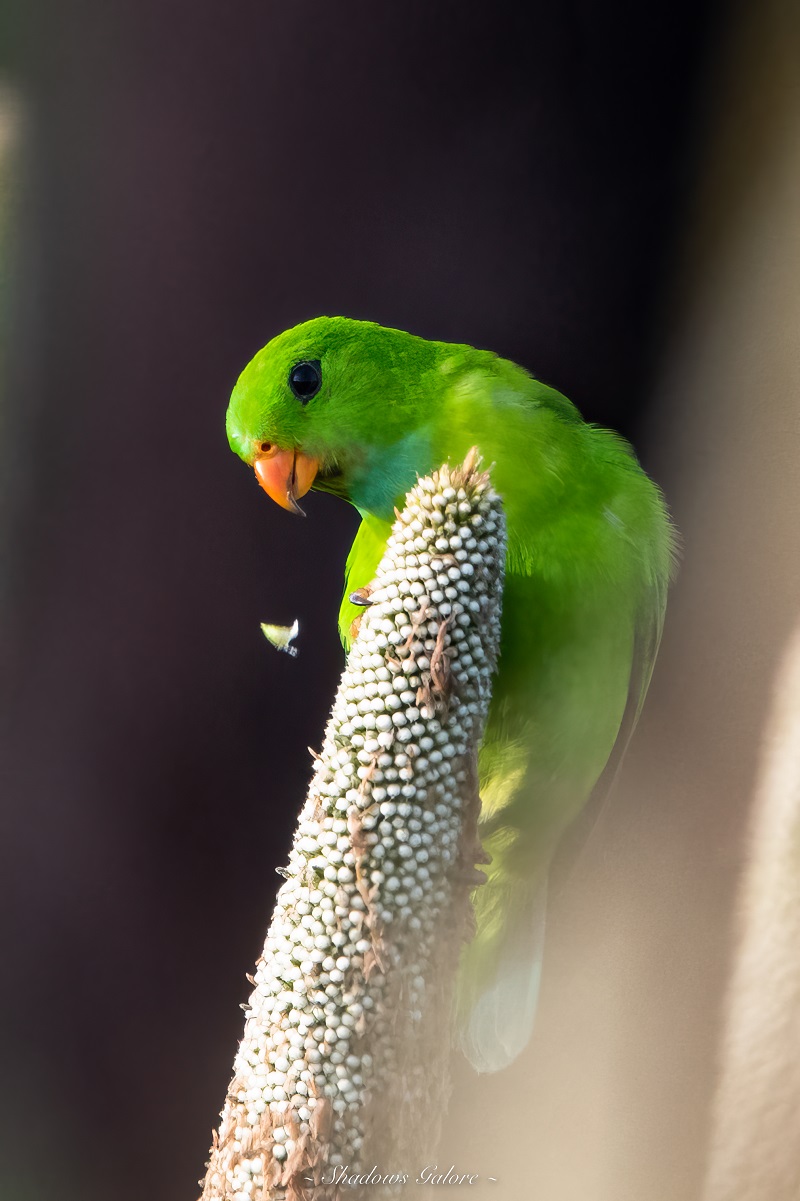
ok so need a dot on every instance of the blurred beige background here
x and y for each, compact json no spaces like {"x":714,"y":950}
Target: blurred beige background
{"x":614,"y":1100}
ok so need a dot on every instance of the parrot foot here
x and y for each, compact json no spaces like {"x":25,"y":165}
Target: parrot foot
{"x":361,"y":596}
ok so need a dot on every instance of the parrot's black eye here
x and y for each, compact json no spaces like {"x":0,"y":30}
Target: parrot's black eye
{"x":305,"y":380}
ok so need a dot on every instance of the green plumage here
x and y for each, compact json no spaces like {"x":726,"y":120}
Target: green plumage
{"x":589,"y":559}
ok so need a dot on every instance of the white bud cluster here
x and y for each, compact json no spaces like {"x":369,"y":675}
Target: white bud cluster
{"x":379,"y":856}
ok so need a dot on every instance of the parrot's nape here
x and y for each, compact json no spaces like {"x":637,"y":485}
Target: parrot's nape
{"x":361,"y":411}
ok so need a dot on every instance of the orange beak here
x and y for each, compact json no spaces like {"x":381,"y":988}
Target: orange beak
{"x":285,"y":475}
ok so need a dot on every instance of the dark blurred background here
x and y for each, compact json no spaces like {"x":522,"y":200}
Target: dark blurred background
{"x":181,"y":181}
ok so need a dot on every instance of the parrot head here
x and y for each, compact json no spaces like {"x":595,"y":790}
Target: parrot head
{"x":344,"y":406}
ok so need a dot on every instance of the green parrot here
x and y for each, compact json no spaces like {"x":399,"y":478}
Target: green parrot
{"x":358,"y":410}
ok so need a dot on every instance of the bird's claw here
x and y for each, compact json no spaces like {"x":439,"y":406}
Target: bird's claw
{"x":360,"y":597}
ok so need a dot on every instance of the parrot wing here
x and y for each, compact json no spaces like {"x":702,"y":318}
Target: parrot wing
{"x":500,"y":973}
{"x":647,"y":639}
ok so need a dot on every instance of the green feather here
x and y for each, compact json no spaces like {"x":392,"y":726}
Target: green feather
{"x":590,"y":553}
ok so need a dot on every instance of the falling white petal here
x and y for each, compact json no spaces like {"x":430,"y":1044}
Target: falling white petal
{"x":282,"y":637}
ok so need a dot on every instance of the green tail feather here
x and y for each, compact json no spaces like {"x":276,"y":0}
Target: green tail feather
{"x":499,"y":973}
